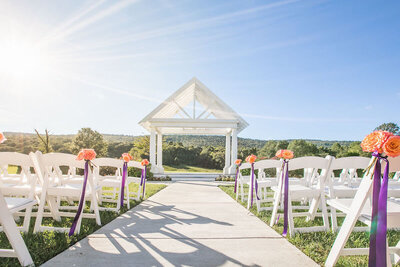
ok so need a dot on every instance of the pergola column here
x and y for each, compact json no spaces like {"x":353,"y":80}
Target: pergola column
{"x":227,"y":153}
{"x":234,"y":150}
{"x":153,"y":150}
{"x":159,"y":153}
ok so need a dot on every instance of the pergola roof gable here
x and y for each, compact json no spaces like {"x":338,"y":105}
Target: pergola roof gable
{"x":214,"y":112}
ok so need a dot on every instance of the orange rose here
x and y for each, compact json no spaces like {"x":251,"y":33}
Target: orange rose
{"x":2,"y":138}
{"x":144,"y":162}
{"x":238,"y":161}
{"x":375,"y":141}
{"x":279,"y":153}
{"x":251,"y":159}
{"x":126,"y":157}
{"x":288,"y":154}
{"x":284,"y":153}
{"x":392,"y":146}
{"x":86,"y":154}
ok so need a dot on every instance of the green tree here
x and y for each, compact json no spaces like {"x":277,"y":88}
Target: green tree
{"x":270,"y":148}
{"x":87,"y":138}
{"x":141,"y":148}
{"x":390,"y":127}
{"x":302,"y":148}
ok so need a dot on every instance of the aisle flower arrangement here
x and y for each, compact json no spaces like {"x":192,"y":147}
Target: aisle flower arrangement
{"x":382,"y":145}
{"x":87,"y":155}
{"x":126,"y":157}
{"x":286,"y":155}
{"x":144,"y":163}
{"x":238,"y":163}
{"x":253,"y":182}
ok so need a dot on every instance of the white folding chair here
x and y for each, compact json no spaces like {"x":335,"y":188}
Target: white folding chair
{"x":309,"y":190}
{"x":109,"y":181}
{"x":62,"y":189}
{"x":343,"y":187}
{"x":134,"y":180}
{"x":242,"y":180}
{"x":265,"y":183}
{"x":19,"y":249}
{"x":23,"y":184}
{"x":359,"y":208}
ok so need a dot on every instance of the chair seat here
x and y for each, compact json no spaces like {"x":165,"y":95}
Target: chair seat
{"x":266,"y":182}
{"x":393,"y":210}
{"x":69,"y":190}
{"x":15,"y":189}
{"x":16,"y":204}
{"x":299,"y":191}
{"x":343,"y":191}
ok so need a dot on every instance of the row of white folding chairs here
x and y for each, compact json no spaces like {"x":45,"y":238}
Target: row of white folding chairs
{"x":311,"y":190}
{"x":49,"y":185}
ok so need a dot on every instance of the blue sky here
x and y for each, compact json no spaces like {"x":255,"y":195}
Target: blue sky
{"x":293,"y":69}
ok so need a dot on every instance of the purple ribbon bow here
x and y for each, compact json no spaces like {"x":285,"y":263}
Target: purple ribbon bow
{"x":236,"y":177}
{"x":252,"y":184}
{"x":124,"y":174}
{"x":143,"y":180}
{"x":285,"y":196}
{"x":377,"y":241}
{"x":81,"y":201}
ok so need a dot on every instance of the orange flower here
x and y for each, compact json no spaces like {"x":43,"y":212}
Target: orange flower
{"x":2,"y":138}
{"x":144,"y":162}
{"x":375,"y":141}
{"x":284,"y":153}
{"x":126,"y":157}
{"x":251,"y":159}
{"x":238,"y":161}
{"x":86,"y":154}
{"x":392,"y":146}
{"x":279,"y":153}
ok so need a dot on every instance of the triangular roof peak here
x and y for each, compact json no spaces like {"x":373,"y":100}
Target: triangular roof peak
{"x":204,"y":106}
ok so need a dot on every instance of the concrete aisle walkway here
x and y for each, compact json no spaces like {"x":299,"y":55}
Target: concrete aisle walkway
{"x":186,"y":224}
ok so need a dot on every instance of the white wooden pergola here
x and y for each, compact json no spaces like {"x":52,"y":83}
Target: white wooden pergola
{"x":193,"y":109}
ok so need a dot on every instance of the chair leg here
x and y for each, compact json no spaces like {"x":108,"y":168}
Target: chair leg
{"x":54,"y":208}
{"x":334,"y":219}
{"x":242,"y":191}
{"x":277,"y":198}
{"x":27,"y":219}
{"x":95,"y":208}
{"x":290,"y":217}
{"x":324,"y":212}
{"x":128,"y":197}
{"x":249,"y":198}
{"x":39,"y":215}
{"x":388,"y":260}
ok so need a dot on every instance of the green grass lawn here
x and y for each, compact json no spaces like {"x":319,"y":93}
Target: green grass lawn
{"x":45,"y":245}
{"x":186,"y":168}
{"x":318,"y":245}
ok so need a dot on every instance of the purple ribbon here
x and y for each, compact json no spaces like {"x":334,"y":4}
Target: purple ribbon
{"x":252,"y":183}
{"x":124,"y":173}
{"x":143,"y":180}
{"x":377,"y":241}
{"x":285,"y":197}
{"x":236,"y":177}
{"x":81,"y":201}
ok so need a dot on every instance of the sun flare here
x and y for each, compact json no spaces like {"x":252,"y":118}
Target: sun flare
{"x":21,"y":59}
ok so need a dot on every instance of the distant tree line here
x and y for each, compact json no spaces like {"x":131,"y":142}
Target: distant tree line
{"x":187,"y":150}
